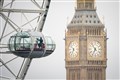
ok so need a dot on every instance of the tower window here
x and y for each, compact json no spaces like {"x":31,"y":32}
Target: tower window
{"x":94,"y":21}
{"x":94,"y":16}
{"x":98,"y":21}
{"x":81,"y":16}
{"x":90,"y":16}
{"x":86,"y":6}
{"x":87,"y":16}
{"x":86,"y":21}
{"x":90,"y":21}
{"x":74,"y":21}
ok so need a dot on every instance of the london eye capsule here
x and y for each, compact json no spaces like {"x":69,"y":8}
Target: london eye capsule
{"x":31,"y":45}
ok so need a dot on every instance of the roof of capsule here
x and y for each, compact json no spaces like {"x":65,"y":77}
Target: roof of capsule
{"x":28,"y":33}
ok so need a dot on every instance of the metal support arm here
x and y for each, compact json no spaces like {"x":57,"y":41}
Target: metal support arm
{"x":43,"y":18}
{"x":22,"y":10}
{"x":24,"y":69}
{"x":7,"y":67}
{"x":1,"y":3}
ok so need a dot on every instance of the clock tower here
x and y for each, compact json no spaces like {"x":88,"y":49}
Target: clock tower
{"x":85,"y":44}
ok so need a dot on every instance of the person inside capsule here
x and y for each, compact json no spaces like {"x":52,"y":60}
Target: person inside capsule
{"x":39,"y":43}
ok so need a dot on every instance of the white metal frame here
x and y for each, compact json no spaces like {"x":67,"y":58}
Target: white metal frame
{"x":41,"y":17}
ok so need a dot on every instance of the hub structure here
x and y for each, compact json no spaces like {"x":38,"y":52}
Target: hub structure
{"x":85,"y":44}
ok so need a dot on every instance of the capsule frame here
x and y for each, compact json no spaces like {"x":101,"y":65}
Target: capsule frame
{"x":31,"y":45}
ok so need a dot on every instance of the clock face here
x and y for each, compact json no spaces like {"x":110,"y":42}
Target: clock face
{"x":94,"y":49}
{"x":73,"y":49}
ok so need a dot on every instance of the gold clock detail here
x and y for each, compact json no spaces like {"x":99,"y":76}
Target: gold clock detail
{"x":94,"y":49}
{"x":73,"y":49}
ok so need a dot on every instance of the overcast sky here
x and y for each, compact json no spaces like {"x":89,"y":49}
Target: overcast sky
{"x":53,"y":66}
{"x":60,"y":14}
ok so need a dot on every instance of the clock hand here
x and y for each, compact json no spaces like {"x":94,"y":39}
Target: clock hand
{"x":94,"y":49}
{"x":73,"y":49}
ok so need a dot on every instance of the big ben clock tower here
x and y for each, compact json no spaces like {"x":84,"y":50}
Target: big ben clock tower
{"x":85,"y":44}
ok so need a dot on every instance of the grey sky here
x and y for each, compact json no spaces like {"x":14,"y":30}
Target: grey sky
{"x":60,"y":14}
{"x":55,"y":26}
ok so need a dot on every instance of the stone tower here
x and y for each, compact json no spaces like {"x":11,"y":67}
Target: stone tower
{"x":85,"y":44}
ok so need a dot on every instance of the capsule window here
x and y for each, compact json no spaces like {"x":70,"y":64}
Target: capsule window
{"x":50,"y":43}
{"x":20,"y":41}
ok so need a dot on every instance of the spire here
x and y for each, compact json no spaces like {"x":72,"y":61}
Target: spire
{"x":85,"y":4}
